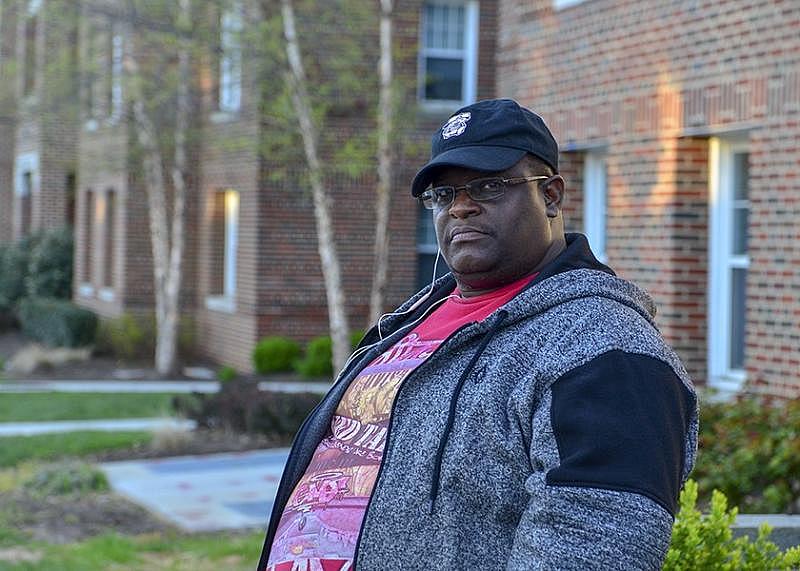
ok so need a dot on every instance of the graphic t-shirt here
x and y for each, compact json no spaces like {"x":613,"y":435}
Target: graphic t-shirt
{"x":322,"y":520}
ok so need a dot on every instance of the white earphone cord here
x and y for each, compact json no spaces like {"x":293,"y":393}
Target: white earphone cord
{"x":416,"y":304}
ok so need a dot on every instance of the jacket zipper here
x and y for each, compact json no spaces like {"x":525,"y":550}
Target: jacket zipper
{"x":270,"y":535}
{"x":389,"y":432}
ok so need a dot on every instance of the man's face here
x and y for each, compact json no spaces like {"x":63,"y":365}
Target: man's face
{"x":490,"y":244}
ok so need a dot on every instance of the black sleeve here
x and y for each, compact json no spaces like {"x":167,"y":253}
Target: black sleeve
{"x":620,"y":423}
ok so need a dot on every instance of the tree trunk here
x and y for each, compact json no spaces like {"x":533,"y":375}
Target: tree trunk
{"x":166,"y":235}
{"x":383,"y":191}
{"x":331,"y":271}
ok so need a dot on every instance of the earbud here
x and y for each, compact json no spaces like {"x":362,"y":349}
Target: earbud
{"x":414,"y":306}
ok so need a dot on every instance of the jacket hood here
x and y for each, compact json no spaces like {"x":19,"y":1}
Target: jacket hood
{"x":575,"y":273}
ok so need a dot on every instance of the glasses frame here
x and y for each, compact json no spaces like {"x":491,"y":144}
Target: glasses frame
{"x":426,"y":198}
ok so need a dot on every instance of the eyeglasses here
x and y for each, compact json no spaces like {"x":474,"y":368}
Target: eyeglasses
{"x":479,"y":190}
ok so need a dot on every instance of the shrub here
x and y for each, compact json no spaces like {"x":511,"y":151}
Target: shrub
{"x":318,"y":359}
{"x":227,"y":373}
{"x":273,"y":354}
{"x":13,"y":269}
{"x":706,"y":542}
{"x":356,"y":337}
{"x":56,"y":322}
{"x":240,"y":406}
{"x":67,"y":478}
{"x":125,"y":337}
{"x":49,"y":271}
{"x":750,"y":451}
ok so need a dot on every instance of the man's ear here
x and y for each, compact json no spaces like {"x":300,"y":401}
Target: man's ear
{"x":553,"y":189}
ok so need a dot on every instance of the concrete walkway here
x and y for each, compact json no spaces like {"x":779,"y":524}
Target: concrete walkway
{"x":106,"y":386}
{"x":204,"y":493}
{"x":111,"y":425}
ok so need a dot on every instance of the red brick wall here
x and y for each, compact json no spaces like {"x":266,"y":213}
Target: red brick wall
{"x":8,"y":110}
{"x":773,"y":281}
{"x":280,"y":288}
{"x":649,"y":80}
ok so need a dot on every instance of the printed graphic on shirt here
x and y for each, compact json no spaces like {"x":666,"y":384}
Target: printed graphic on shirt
{"x":322,"y":520}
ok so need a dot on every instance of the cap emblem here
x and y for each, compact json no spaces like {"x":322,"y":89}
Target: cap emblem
{"x":456,"y":125}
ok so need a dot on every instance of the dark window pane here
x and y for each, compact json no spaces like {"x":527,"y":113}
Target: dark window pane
{"x":425,"y":269}
{"x":738,"y":315}
{"x":443,"y":78}
{"x":741,"y":175}
{"x":426,"y":232}
{"x":740,"y":231}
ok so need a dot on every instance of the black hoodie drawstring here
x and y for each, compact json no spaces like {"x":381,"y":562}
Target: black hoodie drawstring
{"x":437,"y":467}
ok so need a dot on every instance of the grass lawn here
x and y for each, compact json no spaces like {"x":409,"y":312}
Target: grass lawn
{"x":24,"y":407}
{"x":173,"y":552}
{"x":16,"y":449}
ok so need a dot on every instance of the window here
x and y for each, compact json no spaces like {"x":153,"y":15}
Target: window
{"x":230,"y":60}
{"x":26,"y":183}
{"x":109,"y":220}
{"x":85,"y":288}
{"x":25,"y":204}
{"x":225,"y":238}
{"x":448,"y":52}
{"x":595,"y":193}
{"x":114,"y":73}
{"x":729,"y":261}
{"x":427,"y":248}
{"x":31,"y":31}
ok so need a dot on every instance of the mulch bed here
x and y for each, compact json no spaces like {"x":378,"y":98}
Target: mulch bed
{"x":69,"y":518}
{"x":197,"y":442}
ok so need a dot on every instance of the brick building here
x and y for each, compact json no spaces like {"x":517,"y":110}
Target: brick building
{"x":680,"y":130}
{"x":251,"y":266}
{"x":37,"y":116}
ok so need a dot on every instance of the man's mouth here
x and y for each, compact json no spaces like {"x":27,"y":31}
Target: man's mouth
{"x":465,"y":234}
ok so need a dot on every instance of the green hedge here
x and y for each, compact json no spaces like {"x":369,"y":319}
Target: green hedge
{"x":56,"y":322}
{"x":49,"y":272}
{"x":706,"y":542}
{"x":275,"y":354}
{"x":13,"y":269}
{"x":318,"y":358}
{"x":749,"y":449}
{"x":240,"y":406}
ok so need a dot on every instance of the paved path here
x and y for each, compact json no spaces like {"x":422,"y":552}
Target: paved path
{"x":106,"y":386}
{"x":204,"y":493}
{"x":115,"y":425}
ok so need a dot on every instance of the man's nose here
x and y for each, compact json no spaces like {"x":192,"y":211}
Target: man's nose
{"x":463,"y":206}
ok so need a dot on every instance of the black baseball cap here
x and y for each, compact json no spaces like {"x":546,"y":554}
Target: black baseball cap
{"x":488,"y":136}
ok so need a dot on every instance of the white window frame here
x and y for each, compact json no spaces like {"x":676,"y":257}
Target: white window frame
{"x":117,"y":54}
{"x":26,"y":163}
{"x":227,"y":301}
{"x":559,"y":4}
{"x":230,"y":61}
{"x":595,"y":202}
{"x":469,"y":55}
{"x":721,"y":263}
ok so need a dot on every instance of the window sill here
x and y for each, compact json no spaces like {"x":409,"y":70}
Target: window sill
{"x":728,"y":384}
{"x":428,"y":107}
{"x":220,"y":117}
{"x":221,"y":304}
{"x":86,"y":290}
{"x":105,"y":294}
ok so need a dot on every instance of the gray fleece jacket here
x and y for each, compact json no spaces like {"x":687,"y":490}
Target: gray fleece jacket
{"x":555,"y":434}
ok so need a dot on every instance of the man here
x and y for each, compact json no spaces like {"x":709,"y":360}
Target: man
{"x":521,"y":413}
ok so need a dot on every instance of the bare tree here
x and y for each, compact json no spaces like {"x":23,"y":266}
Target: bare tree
{"x":167,"y":222}
{"x":331,"y":267}
{"x":383,"y":190}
